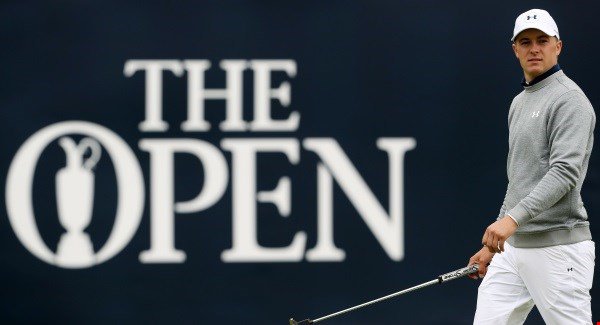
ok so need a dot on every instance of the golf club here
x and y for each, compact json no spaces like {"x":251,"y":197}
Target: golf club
{"x":440,"y":279}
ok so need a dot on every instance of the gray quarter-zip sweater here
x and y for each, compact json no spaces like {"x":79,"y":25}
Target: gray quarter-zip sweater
{"x":551,"y":133}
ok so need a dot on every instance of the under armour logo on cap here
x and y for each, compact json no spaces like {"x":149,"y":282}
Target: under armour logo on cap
{"x":534,"y":17}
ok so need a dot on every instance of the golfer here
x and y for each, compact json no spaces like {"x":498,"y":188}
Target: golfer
{"x":540,"y":250}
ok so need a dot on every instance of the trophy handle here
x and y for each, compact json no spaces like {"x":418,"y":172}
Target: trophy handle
{"x":95,"y":150}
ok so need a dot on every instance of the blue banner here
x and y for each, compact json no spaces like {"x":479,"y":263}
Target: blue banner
{"x":250,"y":161}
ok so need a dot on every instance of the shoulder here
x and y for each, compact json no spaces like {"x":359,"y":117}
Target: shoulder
{"x":518,"y":98}
{"x":568,"y":95}
{"x":566,"y":90}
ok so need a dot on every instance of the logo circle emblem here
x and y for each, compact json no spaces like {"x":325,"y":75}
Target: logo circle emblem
{"x":19,"y":183}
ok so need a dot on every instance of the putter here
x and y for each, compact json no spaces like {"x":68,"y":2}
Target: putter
{"x":440,"y":279}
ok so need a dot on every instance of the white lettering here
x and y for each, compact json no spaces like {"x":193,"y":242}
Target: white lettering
{"x":387,"y":228}
{"x":263,"y":93}
{"x":245,"y":247}
{"x":197,"y":94}
{"x":154,"y":69}
{"x":325,"y":249}
{"x":162,"y":204}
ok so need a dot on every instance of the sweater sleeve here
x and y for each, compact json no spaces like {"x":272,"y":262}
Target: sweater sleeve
{"x":503,"y":209}
{"x":569,"y":126}
{"x":504,"y":213}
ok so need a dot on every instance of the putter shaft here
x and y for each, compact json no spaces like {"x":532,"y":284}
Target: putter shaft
{"x":441,"y":279}
{"x":423,"y":285}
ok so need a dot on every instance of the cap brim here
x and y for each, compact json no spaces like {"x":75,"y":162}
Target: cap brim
{"x":547,"y":32}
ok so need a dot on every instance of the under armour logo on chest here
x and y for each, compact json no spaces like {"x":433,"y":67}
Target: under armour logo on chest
{"x":532,"y":17}
{"x":535,"y":114}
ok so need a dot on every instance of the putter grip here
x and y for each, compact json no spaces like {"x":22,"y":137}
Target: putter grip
{"x":459,"y":273}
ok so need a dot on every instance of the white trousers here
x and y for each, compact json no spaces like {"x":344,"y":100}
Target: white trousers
{"x":556,"y":279}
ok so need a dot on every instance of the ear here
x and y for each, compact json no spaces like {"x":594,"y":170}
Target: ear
{"x":559,"y":45}
{"x":514,"y":47}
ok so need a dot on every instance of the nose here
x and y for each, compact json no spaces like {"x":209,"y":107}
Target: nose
{"x":535,"y":48}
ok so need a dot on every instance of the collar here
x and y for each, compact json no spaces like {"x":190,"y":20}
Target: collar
{"x":541,"y":77}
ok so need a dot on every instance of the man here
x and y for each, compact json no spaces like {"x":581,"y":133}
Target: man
{"x":540,"y":250}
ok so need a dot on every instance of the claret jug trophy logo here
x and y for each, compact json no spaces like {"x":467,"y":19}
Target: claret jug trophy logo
{"x":75,"y":197}
{"x":98,"y":145}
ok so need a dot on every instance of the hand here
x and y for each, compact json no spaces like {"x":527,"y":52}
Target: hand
{"x":496,"y":234}
{"x":483,"y":258}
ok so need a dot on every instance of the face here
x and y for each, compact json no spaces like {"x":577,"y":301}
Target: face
{"x":536,"y":51}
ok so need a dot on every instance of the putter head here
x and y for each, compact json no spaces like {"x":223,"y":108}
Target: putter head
{"x":302,"y":322}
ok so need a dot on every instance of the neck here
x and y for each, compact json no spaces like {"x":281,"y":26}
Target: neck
{"x":531,"y":80}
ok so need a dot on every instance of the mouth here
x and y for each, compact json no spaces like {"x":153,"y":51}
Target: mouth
{"x":534,"y":60}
